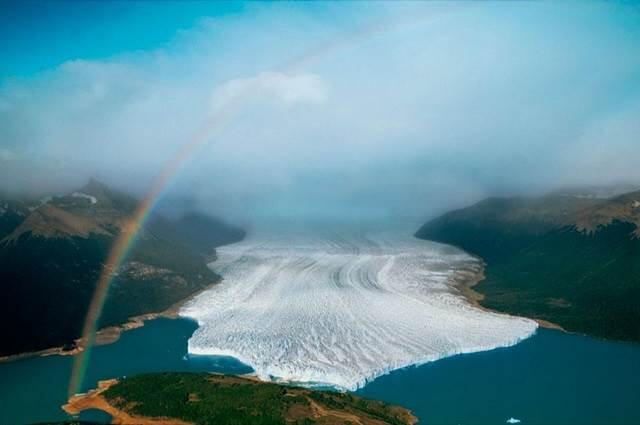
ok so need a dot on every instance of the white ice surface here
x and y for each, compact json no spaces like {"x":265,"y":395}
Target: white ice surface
{"x":343,"y":310}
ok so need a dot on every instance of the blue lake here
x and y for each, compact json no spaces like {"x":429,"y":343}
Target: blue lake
{"x":551,"y":378}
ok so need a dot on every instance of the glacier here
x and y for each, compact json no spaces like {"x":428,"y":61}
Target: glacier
{"x":340,"y":310}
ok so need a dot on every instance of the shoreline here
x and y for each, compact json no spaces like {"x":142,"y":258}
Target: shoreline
{"x":110,"y":334}
{"x":470,"y":280}
{"x":464,"y":281}
{"x":94,"y":399}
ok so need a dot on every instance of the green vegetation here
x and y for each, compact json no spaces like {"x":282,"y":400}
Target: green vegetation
{"x":51,"y":259}
{"x":48,"y":284}
{"x":542,"y":266}
{"x":12,"y":213}
{"x":584,"y":282}
{"x":227,"y":400}
{"x":376,"y":409}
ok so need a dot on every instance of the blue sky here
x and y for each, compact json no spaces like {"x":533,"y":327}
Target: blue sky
{"x":40,"y":35}
{"x":351,"y":108}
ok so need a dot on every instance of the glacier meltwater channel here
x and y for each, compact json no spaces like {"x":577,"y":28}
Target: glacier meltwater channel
{"x":341,"y":311}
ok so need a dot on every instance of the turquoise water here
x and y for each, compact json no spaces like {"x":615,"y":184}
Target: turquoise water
{"x":33,"y":390}
{"x":551,"y":378}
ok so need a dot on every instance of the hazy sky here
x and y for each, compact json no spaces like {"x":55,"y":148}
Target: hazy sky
{"x":356,"y":109}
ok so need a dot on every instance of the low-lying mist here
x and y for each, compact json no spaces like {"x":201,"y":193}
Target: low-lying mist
{"x":356,"y":111}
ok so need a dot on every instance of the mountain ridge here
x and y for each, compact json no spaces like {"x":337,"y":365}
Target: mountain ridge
{"x":51,"y":259}
{"x":573,"y":261}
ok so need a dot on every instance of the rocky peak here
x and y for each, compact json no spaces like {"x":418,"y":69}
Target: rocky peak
{"x":50,"y":221}
{"x":623,"y":208}
{"x":96,"y":189}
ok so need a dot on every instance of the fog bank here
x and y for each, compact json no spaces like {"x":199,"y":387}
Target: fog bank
{"x":342,"y":110}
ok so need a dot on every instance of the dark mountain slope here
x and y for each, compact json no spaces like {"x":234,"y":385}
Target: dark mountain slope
{"x":12,"y":214}
{"x":51,"y":261}
{"x":569,"y":260}
{"x":194,"y":230}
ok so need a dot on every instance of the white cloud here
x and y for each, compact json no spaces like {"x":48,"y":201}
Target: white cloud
{"x":6,"y":154}
{"x":408,"y":120}
{"x":607,"y":149}
{"x":289,"y":89}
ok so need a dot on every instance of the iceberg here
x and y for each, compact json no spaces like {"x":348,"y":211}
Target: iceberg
{"x":342,"y":310}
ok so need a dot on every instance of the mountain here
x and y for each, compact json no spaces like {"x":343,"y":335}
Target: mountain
{"x":51,"y":257}
{"x":12,"y":214}
{"x":569,"y":258}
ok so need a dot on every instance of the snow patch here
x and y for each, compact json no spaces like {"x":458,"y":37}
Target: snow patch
{"x":92,"y":199}
{"x":342,"y":311}
{"x":41,"y":202}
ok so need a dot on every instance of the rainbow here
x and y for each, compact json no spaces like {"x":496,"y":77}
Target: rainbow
{"x":128,"y":236}
{"x":131,"y":228}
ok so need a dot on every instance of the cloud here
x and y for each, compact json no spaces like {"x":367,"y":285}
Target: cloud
{"x":417,"y":117}
{"x":6,"y":154}
{"x":289,"y":89}
{"x":607,"y":149}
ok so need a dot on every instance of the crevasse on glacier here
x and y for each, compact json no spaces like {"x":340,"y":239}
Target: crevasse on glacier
{"x":341,"y":311}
